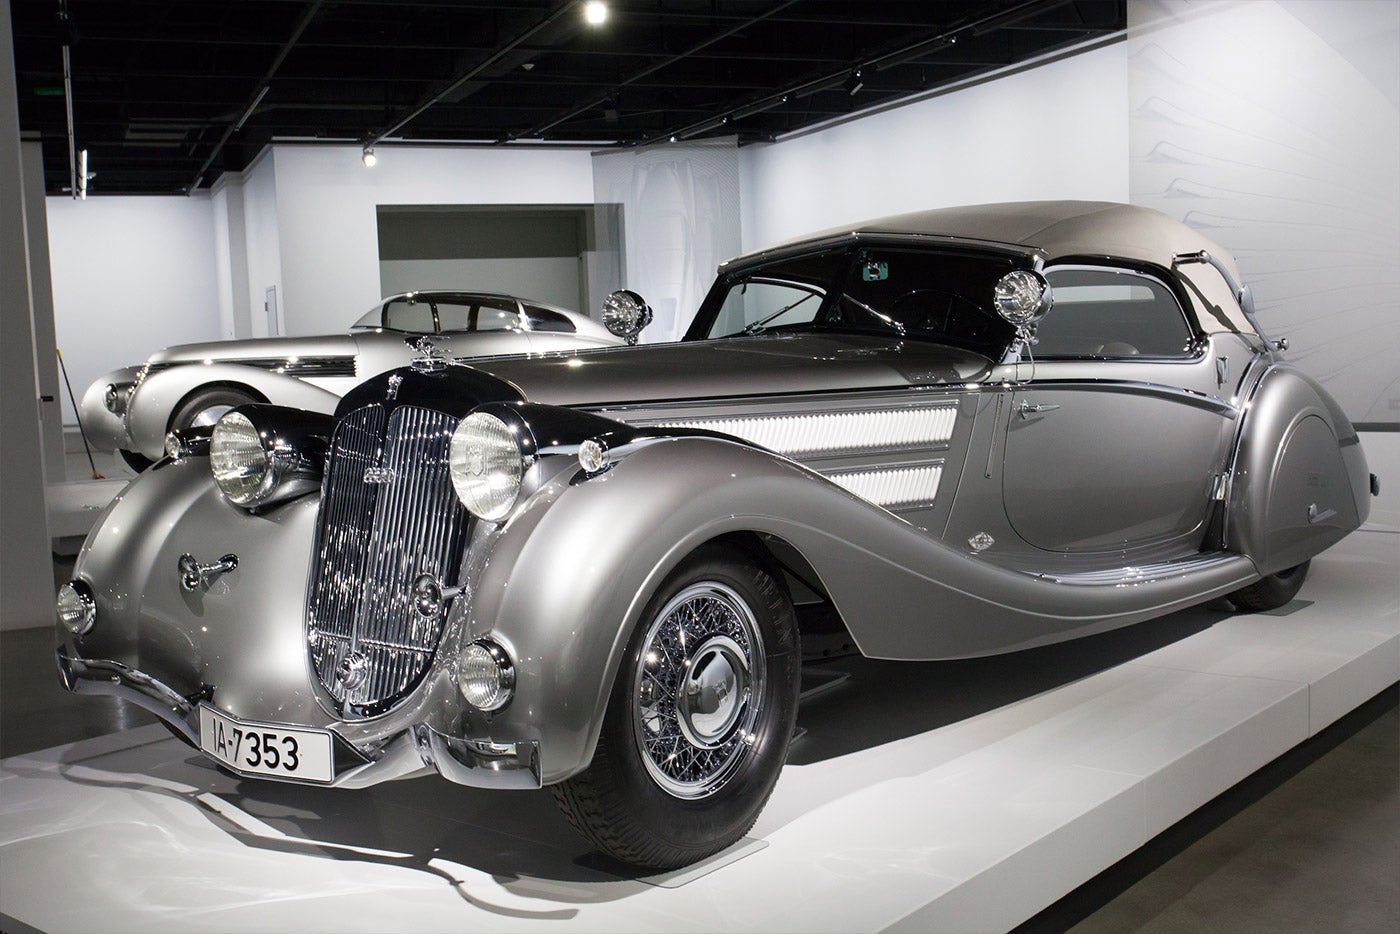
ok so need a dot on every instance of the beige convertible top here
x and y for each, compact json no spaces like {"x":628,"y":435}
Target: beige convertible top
{"x":1057,"y":229}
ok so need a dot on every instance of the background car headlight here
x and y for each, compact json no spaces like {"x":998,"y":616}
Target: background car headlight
{"x":76,"y":607}
{"x":486,"y":465}
{"x":485,"y":675}
{"x":238,"y":460}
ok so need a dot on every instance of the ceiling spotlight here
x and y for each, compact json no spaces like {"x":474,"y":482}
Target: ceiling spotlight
{"x":368,"y":157}
{"x":673,"y":139}
{"x":595,"y":12}
{"x":854,"y":82}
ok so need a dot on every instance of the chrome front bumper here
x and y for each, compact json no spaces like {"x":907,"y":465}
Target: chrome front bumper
{"x":480,"y":763}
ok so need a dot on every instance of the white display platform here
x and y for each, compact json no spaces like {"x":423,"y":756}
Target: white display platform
{"x":952,"y":796}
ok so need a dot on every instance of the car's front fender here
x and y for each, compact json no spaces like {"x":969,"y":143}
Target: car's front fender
{"x":103,"y":428}
{"x":567,"y":579}
{"x":154,"y":401}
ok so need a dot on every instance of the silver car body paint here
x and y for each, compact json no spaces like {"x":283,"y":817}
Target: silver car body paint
{"x":1017,"y":504}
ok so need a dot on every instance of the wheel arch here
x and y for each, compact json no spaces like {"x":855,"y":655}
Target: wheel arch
{"x":234,"y":385}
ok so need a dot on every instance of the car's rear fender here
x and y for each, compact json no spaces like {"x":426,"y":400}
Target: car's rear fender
{"x":569,"y":576}
{"x":1299,"y":482}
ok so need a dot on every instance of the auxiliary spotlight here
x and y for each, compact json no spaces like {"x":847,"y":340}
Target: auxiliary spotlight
{"x":368,"y":157}
{"x":595,"y":12}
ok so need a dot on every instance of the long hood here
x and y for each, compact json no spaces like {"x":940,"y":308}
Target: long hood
{"x":760,"y":365}
{"x":328,"y":345}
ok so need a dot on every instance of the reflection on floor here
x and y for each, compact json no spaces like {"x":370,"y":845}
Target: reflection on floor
{"x":949,"y":796}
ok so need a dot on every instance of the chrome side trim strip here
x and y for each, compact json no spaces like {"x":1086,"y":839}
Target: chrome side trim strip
{"x":1185,"y":396}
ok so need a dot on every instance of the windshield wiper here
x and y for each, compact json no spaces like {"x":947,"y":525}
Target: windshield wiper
{"x":757,"y":326}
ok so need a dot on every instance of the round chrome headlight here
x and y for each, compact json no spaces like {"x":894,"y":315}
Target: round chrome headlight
{"x":486,"y":465}
{"x":76,"y":607}
{"x":238,"y":460}
{"x":485,"y":675}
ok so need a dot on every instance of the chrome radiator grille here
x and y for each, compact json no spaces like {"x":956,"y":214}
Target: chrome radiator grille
{"x":388,"y":515}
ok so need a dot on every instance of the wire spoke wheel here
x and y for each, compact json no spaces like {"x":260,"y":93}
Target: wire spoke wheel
{"x":698,"y":690}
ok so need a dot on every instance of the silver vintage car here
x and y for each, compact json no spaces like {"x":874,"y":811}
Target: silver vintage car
{"x":954,"y":433}
{"x":131,"y":410}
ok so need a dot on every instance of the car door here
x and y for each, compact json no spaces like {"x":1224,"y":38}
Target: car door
{"x":1116,"y":441}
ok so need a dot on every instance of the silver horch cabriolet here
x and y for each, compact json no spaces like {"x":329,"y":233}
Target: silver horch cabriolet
{"x":131,"y":410}
{"x":956,"y":433}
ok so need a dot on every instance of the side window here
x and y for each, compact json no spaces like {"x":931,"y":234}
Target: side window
{"x":542,"y":319}
{"x":414,"y":317}
{"x":1111,"y":313}
{"x":497,"y":315}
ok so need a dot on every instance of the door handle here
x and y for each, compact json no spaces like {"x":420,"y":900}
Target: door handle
{"x":1027,"y":409}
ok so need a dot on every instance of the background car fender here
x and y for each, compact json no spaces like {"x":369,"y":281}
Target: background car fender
{"x":105,"y":430}
{"x":569,"y":576}
{"x":154,"y":401}
{"x":1300,"y":481}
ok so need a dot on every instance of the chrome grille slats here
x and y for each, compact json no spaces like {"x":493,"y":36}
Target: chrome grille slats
{"x":374,"y":540}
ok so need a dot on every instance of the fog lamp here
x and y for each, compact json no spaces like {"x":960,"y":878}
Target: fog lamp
{"x":486,"y":675}
{"x":76,"y":607}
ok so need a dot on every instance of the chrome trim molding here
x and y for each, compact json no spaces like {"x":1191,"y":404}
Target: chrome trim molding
{"x":830,"y":433}
{"x":1118,"y":577}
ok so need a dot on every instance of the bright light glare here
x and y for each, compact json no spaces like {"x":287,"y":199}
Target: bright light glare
{"x":595,"y":12}
{"x":369,"y":158}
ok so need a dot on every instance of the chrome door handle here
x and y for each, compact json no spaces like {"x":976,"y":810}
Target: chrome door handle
{"x":1027,"y":409}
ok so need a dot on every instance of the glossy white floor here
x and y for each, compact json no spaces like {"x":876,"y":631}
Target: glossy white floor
{"x":952,"y":796}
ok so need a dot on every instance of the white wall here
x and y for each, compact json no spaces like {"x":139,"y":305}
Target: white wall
{"x":1056,"y":131}
{"x":130,"y":276}
{"x":1275,"y":129}
{"x":262,"y":229}
{"x":326,"y":224}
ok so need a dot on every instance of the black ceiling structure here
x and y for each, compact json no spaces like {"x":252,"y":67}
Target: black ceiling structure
{"x":166,"y":95}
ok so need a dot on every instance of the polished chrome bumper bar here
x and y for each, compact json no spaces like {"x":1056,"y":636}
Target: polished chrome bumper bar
{"x":479,"y":763}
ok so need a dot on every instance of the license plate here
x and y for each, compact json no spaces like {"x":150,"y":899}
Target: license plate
{"x":265,"y":748}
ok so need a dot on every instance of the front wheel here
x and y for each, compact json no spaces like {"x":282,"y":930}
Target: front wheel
{"x":206,"y":405}
{"x":1271,"y":592}
{"x":700,"y":717}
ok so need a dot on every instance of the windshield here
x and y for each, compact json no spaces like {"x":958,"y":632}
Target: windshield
{"x":443,"y":313}
{"x":942,"y":295}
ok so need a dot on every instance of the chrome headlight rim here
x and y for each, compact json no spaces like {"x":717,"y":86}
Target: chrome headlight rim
{"x":292,"y":446}
{"x":494,"y":662}
{"x":236,"y":433}
{"x":491,"y":450}
{"x":76,"y":607}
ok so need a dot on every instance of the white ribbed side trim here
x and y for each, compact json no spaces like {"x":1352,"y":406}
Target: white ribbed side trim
{"x":893,"y":486}
{"x":835,"y":432}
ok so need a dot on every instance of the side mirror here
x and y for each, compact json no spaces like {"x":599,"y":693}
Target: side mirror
{"x":625,"y":313}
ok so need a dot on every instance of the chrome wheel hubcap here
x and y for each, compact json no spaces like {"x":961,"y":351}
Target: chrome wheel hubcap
{"x":697,"y":690}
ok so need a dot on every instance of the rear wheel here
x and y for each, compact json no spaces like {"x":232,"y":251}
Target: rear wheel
{"x":1272,"y":592}
{"x":700,"y":717}
{"x":203,"y":407}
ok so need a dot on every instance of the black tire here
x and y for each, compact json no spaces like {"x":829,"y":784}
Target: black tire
{"x":137,"y":462}
{"x":1272,"y":592}
{"x":205,"y":405}
{"x":644,"y":810}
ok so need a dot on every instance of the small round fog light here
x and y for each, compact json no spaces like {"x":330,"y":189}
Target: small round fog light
{"x":485,"y":675}
{"x":76,"y":607}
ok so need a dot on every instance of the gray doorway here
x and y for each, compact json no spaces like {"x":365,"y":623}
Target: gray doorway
{"x":566,"y":255}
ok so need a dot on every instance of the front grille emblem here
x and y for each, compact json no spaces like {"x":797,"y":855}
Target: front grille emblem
{"x":380,"y":475}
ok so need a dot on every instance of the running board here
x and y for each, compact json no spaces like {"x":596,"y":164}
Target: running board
{"x":1145,"y":573}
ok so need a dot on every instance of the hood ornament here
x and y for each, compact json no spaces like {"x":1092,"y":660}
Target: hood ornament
{"x":431,"y":361}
